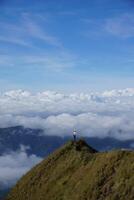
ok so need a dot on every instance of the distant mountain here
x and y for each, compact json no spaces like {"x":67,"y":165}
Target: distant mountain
{"x":78,"y":172}
{"x":37,"y":143}
{"x":42,"y":144}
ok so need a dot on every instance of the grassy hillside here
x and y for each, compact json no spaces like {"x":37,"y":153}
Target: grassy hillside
{"x":78,"y":172}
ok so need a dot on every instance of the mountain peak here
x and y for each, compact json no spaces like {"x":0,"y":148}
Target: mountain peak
{"x":74,"y":149}
{"x":82,"y":145}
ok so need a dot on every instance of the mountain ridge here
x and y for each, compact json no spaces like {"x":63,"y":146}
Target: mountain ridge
{"x":76,"y":171}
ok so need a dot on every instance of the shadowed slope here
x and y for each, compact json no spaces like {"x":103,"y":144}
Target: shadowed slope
{"x":78,"y":172}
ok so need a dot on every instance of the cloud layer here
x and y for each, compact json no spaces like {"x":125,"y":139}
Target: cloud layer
{"x":14,"y":164}
{"x":106,"y":114}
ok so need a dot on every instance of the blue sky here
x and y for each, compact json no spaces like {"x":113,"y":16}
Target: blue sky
{"x":76,"y":45}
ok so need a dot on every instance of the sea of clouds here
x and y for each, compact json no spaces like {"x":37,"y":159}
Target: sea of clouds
{"x":106,"y":114}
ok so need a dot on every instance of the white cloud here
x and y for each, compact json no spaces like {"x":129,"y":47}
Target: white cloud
{"x":117,"y":93}
{"x":15,"y":164}
{"x":107,"y":114}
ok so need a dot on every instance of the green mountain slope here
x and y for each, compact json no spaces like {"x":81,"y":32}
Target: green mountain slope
{"x":78,"y":172}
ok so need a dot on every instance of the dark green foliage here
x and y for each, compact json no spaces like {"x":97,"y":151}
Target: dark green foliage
{"x":77,"y":172}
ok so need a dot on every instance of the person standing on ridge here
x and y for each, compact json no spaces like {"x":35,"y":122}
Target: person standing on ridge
{"x":74,"y":135}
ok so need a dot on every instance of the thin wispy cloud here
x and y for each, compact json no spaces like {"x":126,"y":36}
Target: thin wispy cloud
{"x":14,"y":34}
{"x":36,"y":31}
{"x":52,"y":62}
{"x":25,"y":30}
{"x":15,"y":41}
{"x":121,"y":26}
{"x":48,"y":36}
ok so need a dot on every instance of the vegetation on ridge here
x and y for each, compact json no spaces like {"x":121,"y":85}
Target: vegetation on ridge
{"x":78,"y":172}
